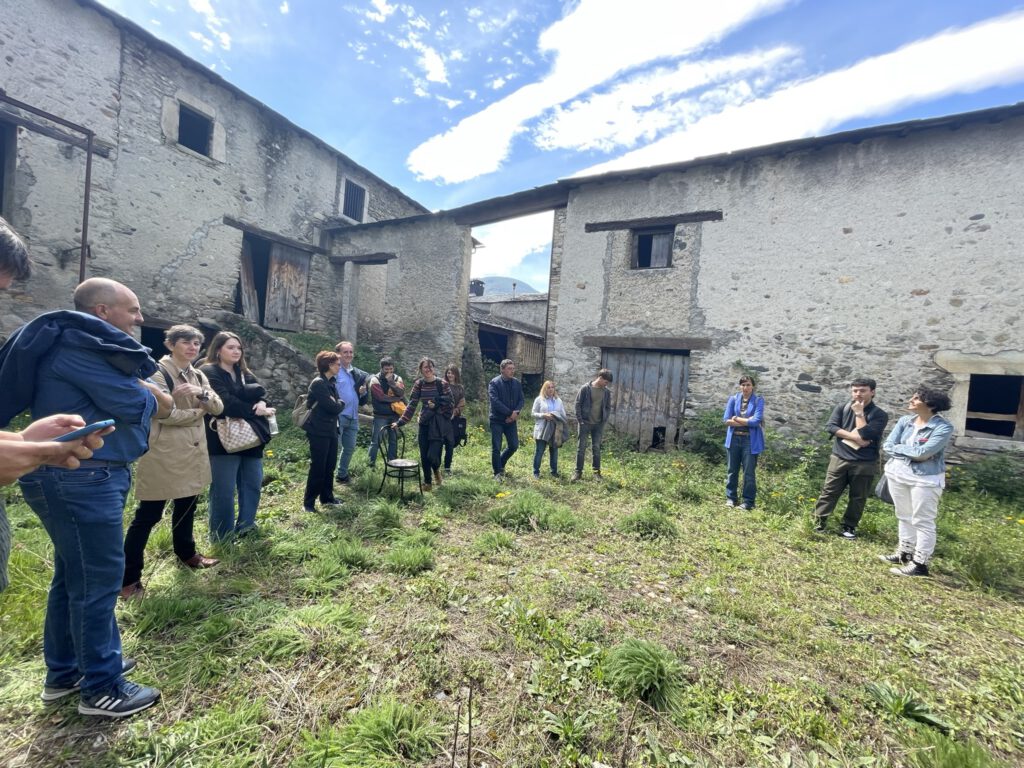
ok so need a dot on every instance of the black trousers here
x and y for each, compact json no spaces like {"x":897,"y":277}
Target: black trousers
{"x":323,"y":455}
{"x":146,"y":517}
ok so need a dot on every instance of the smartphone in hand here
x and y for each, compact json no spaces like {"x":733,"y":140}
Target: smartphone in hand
{"x":88,"y":429}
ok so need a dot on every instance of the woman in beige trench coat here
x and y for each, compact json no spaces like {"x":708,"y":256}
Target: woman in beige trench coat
{"x":177,"y":465}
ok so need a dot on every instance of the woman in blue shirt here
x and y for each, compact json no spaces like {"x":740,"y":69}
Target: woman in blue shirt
{"x":744,"y":441}
{"x":916,"y":474}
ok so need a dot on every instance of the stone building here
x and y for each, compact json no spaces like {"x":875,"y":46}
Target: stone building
{"x":510,"y":326}
{"x":893,"y":252}
{"x":203,"y":200}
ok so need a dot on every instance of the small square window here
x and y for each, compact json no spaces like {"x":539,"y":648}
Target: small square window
{"x":195,"y":130}
{"x":355,"y":201}
{"x":995,"y":407}
{"x":652,"y":248}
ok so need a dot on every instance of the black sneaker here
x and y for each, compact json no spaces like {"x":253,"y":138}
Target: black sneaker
{"x":52,"y":693}
{"x":912,"y":568}
{"x":124,"y":699}
{"x":897,"y":558}
{"x":849,"y":534}
{"x":343,"y":480}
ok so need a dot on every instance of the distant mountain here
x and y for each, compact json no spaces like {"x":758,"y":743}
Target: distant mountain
{"x":494,"y":285}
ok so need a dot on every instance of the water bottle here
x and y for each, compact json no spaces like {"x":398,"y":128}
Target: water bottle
{"x":272,"y":421}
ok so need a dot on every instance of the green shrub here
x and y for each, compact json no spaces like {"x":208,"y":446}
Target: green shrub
{"x":520,"y":511}
{"x":408,"y":560}
{"x":705,"y":436}
{"x":387,"y":734}
{"x":1001,"y":476}
{"x":939,"y":751}
{"x":492,"y":542}
{"x":381,"y":519}
{"x":649,"y":524}
{"x":638,"y":669}
{"x":905,"y":704}
{"x":352,"y":554}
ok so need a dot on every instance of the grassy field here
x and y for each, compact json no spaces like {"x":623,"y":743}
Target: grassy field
{"x":632,"y":621}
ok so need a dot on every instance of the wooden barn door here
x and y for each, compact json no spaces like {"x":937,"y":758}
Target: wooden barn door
{"x":648,"y":394}
{"x":287,"y":279}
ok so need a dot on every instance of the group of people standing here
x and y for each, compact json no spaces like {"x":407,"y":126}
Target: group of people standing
{"x":914,"y":474}
{"x":340,"y":388}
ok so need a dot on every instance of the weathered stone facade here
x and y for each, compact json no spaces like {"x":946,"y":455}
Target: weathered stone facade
{"x":871,"y":255}
{"x":158,"y":208}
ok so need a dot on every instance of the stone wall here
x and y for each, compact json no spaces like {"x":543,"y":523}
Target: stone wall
{"x":528,"y":312}
{"x":422,"y":309}
{"x":158,"y":208}
{"x":850,"y":258}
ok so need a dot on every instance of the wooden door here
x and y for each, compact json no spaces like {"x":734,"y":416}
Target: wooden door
{"x":250,"y":300}
{"x":649,"y":393}
{"x":287,"y":279}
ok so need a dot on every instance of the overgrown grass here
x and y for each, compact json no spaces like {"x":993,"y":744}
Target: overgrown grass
{"x":352,"y":637}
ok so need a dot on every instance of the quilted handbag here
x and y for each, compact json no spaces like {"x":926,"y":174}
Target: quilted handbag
{"x":236,"y":434}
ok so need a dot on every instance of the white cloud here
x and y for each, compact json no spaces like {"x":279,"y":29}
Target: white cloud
{"x":283,"y":8}
{"x":450,"y":103}
{"x":381,"y":11}
{"x":497,"y":83}
{"x":214,"y":23}
{"x":202,"y":39}
{"x":984,"y":55}
{"x":507,"y":243}
{"x":475,"y":13}
{"x":648,"y":104}
{"x":429,"y":60}
{"x":487,"y":26}
{"x":595,"y":42}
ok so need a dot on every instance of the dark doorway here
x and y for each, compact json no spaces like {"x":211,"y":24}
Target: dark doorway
{"x":153,"y":338}
{"x":995,"y":406}
{"x":493,"y":345}
{"x":251,"y":300}
{"x":272,"y":283}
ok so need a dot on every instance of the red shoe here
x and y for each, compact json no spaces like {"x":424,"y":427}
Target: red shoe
{"x":133,"y":591}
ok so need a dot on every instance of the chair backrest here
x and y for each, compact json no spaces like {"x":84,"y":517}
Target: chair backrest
{"x":382,"y":441}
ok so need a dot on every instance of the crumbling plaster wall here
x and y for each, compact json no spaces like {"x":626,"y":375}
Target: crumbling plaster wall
{"x":850,"y":259}
{"x":157,"y":208}
{"x":423,"y":308}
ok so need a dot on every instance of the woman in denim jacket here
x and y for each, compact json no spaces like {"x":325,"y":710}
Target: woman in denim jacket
{"x":916,"y":473}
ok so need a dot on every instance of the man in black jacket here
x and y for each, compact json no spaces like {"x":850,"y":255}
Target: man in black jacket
{"x":593,"y":407}
{"x":505,"y":394}
{"x":857,"y":427}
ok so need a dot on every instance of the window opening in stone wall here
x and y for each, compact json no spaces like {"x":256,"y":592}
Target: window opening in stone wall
{"x":195,"y":130}
{"x":355,"y":201}
{"x":8,"y":134}
{"x":652,"y":248}
{"x":995,"y":406}
{"x":493,"y":345}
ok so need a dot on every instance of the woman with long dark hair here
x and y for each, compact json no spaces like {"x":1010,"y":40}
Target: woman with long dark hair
{"x":244,"y":397}
{"x":454,"y":378}
{"x":434,"y":422}
{"x":321,"y":430}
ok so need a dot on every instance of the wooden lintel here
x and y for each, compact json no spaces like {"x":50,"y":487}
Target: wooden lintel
{"x":648,"y":342}
{"x":99,"y":147}
{"x":364,"y":258}
{"x":252,"y":229}
{"x":657,"y":221}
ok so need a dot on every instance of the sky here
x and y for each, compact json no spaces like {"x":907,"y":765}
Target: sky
{"x":458,"y":102}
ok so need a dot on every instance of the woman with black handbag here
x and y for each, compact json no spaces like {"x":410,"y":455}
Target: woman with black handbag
{"x":244,"y":398}
{"x":321,"y":428}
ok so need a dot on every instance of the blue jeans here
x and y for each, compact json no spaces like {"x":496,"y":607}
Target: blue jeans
{"x":82,"y":510}
{"x":538,"y":454}
{"x":391,"y":435}
{"x":740,"y":457}
{"x":499,"y":430}
{"x":348,"y":429}
{"x":232,"y":471}
{"x":594,"y":432}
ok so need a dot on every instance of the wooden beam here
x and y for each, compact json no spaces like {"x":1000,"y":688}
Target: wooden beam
{"x":364,"y":258}
{"x":657,"y":221}
{"x":664,"y":343}
{"x":99,"y":147}
{"x":273,"y":237}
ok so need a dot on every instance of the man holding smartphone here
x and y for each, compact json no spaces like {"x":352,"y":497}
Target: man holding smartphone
{"x":86,"y":362}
